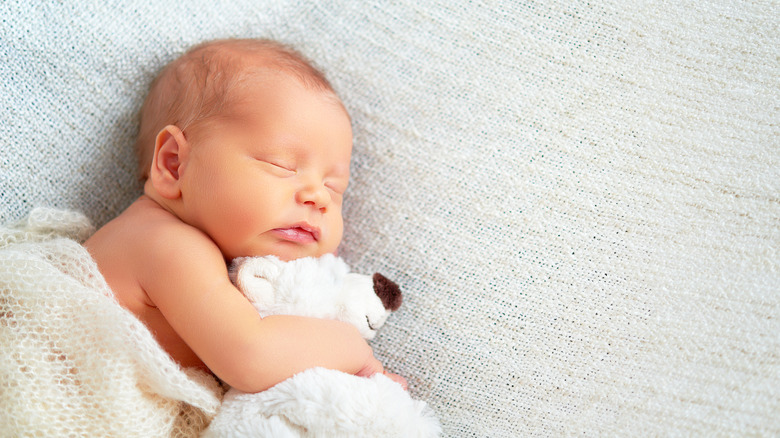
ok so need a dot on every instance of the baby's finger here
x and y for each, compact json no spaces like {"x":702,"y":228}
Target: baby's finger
{"x":398,"y":379}
{"x":371,"y":367}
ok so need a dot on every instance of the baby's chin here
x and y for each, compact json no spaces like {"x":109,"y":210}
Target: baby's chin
{"x":283,"y":249}
{"x":291,"y":252}
{"x":300,"y":255}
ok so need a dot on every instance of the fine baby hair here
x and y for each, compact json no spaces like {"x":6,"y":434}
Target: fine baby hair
{"x":201,"y":84}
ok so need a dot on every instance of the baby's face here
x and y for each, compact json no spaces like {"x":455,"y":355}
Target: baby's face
{"x":269,"y":179}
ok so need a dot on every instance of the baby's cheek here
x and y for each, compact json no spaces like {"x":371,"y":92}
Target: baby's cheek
{"x":334,"y":239}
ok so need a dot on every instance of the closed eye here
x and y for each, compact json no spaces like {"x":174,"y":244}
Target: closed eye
{"x":370,"y":326}
{"x":336,"y":190}
{"x":336,"y":186}
{"x":282,"y":169}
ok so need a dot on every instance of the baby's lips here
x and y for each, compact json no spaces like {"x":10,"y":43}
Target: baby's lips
{"x":315,"y":232}
{"x":297,"y":234}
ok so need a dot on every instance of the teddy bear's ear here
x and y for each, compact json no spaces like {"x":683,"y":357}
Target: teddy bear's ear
{"x":253,"y":276}
{"x":388,"y":292}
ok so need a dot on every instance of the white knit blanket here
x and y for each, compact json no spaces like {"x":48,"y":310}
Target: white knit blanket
{"x":72,"y":361}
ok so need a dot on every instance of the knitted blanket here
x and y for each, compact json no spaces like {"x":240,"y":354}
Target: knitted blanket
{"x":72,"y":361}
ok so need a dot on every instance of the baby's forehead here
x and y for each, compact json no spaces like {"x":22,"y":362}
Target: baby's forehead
{"x":254,"y":83}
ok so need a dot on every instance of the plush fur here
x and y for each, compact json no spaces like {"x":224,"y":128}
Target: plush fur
{"x":320,"y":402}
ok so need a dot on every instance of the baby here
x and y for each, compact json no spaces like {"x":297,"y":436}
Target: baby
{"x":245,"y":150}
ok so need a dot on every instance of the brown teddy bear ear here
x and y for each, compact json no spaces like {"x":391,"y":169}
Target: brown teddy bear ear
{"x":388,"y":292}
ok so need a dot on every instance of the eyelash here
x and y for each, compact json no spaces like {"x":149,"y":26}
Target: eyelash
{"x":280,"y":167}
{"x":331,"y":187}
{"x":334,"y":189}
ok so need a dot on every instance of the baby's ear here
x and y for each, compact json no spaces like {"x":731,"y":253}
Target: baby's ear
{"x":170,"y":151}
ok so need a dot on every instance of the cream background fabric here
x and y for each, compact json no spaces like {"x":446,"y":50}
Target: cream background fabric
{"x":579,"y":199}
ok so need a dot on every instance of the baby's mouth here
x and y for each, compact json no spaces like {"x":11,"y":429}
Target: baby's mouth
{"x":299,"y":233}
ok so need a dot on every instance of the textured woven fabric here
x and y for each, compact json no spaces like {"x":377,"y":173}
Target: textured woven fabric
{"x":579,"y":199}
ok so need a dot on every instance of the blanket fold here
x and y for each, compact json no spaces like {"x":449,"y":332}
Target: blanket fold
{"x":74,"y":362}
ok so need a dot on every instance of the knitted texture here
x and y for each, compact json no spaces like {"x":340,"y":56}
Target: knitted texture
{"x":73,"y":362}
{"x":579,"y":199}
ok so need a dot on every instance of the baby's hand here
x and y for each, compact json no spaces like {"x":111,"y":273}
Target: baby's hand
{"x":397,"y":379}
{"x":373,"y":366}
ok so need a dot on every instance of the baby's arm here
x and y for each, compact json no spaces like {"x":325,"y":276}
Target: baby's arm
{"x":187,"y":281}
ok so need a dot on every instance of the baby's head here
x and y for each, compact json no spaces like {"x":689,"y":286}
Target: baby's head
{"x":202,"y":83}
{"x":246,"y":141}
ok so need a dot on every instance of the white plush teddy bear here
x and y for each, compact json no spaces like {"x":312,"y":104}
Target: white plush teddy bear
{"x":321,"y":402}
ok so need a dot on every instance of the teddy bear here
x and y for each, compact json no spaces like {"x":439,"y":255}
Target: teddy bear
{"x":320,"y":402}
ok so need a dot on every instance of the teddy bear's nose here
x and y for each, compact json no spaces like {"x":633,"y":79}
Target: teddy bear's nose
{"x":388,"y":292}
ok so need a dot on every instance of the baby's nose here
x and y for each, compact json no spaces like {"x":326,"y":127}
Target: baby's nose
{"x":314,"y":195}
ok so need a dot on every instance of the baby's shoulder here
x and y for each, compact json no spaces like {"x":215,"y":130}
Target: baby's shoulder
{"x":145,"y":232}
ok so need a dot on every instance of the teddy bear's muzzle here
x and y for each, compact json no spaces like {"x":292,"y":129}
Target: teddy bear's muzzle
{"x":388,"y":292}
